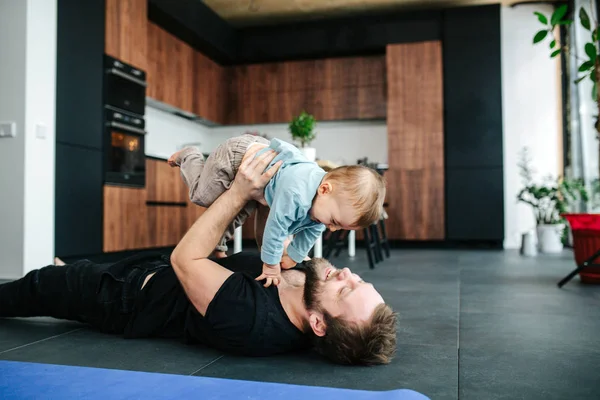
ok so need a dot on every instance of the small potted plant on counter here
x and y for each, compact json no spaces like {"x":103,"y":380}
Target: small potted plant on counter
{"x":302,"y":130}
{"x":549,"y":200}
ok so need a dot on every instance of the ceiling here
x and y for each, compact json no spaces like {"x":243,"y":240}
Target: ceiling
{"x":259,"y":12}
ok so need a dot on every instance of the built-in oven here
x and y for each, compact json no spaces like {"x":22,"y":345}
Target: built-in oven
{"x":124,"y":86}
{"x":125,"y":159}
{"x":125,"y":126}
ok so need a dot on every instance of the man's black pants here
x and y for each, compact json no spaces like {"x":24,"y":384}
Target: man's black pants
{"x":102,"y":295}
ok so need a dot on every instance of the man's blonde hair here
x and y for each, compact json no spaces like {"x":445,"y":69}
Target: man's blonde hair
{"x":363,"y":187}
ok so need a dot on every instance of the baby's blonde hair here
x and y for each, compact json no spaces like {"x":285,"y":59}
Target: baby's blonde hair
{"x":363,"y":187}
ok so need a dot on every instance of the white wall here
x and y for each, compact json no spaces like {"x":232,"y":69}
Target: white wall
{"x":167,"y":133}
{"x":531,"y":111}
{"x":13,"y":15}
{"x":27,"y":97}
{"x":40,"y":91}
{"x":340,"y":142}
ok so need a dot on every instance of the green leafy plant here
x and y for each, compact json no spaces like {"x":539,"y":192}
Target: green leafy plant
{"x":590,"y":67}
{"x":302,"y":128}
{"x":551,"y":198}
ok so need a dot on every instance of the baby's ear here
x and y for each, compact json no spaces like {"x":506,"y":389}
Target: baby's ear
{"x":325,"y":188}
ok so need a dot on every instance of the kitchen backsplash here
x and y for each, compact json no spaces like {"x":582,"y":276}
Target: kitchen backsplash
{"x":340,"y":142}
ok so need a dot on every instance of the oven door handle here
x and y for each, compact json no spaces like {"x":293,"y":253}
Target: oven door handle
{"x":123,"y":75}
{"x":126,"y":127}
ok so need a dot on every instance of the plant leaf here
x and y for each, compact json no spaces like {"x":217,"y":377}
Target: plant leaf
{"x":590,"y":50}
{"x":595,"y":92}
{"x":558,"y":14}
{"x":555,"y":53}
{"x":541,"y":17}
{"x":593,"y":75}
{"x":552,"y":44}
{"x":580,"y":79}
{"x":541,"y":35}
{"x":565,"y":22}
{"x":586,"y":66}
{"x":595,"y":35}
{"x":584,"y":18}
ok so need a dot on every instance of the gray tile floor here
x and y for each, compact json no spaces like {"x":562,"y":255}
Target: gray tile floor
{"x":473,"y":325}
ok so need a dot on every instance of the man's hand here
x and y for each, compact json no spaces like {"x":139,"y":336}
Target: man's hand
{"x":272,"y":273}
{"x":250,"y":180}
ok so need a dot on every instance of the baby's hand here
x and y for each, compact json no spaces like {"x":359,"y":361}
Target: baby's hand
{"x":287,"y":262}
{"x":272,"y":273}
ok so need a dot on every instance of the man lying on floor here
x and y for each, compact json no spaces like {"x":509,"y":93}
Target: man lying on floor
{"x":217,"y":303}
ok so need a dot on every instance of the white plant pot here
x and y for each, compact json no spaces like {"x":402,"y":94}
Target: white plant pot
{"x":310,"y":153}
{"x":549,"y":238}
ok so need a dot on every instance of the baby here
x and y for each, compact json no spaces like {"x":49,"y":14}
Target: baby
{"x":304,"y":200}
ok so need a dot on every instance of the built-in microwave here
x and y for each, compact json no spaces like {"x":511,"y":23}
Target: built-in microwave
{"x":124,"y":86}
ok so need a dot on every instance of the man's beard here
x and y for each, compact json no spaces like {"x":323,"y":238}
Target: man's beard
{"x":312,"y":285}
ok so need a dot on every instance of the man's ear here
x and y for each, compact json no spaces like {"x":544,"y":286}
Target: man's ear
{"x":317,"y":323}
{"x":325,"y":188}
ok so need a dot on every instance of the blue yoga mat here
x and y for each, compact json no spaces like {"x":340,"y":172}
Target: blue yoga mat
{"x":47,"y":381}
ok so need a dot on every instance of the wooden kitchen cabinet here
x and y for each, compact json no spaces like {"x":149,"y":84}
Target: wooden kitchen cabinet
{"x":372,"y":101}
{"x":125,"y":219}
{"x":415,"y":120}
{"x":210,"y":93}
{"x":330,"y":89}
{"x":167,"y":203}
{"x":170,"y":71}
{"x":167,"y":224}
{"x":126,"y":31}
{"x":193,"y":213}
{"x":155,"y":216}
{"x":164,"y":183}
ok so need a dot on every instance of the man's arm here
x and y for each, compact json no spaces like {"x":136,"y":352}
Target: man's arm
{"x":303,"y":241}
{"x":201,"y":278}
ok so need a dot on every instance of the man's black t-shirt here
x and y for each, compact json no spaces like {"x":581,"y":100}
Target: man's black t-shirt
{"x":244,"y":317}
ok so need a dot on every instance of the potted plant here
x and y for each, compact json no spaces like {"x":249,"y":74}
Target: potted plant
{"x":585,"y":227}
{"x":549,"y":200}
{"x":302,"y":130}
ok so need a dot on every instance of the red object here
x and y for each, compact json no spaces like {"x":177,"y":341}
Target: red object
{"x":586,"y":242}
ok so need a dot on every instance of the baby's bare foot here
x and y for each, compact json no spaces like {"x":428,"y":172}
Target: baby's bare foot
{"x":58,"y":261}
{"x":172,"y":161}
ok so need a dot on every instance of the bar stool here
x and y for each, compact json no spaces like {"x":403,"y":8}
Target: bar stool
{"x":336,"y":241}
{"x":385,"y":244}
{"x":372,"y":244}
